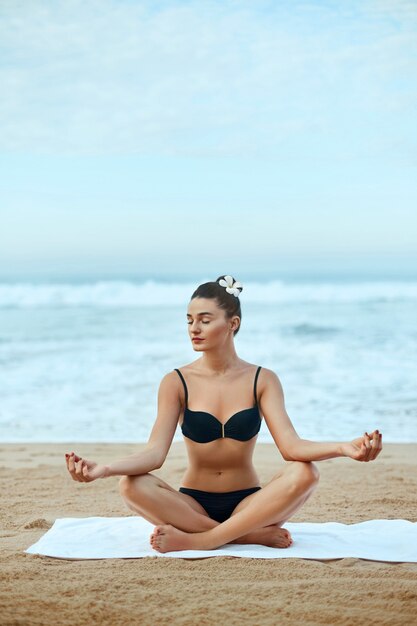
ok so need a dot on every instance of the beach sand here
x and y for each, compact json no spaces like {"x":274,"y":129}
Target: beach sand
{"x":36,"y":489}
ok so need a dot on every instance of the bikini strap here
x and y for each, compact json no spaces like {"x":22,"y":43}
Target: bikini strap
{"x":185,"y":386}
{"x":254,"y":384}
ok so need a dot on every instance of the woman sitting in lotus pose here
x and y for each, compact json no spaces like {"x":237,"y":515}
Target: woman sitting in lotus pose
{"x":220,"y":500}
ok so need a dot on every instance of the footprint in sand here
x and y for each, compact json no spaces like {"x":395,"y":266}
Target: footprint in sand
{"x":38,"y":523}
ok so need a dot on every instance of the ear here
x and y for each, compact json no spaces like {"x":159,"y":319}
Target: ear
{"x":235,"y":323}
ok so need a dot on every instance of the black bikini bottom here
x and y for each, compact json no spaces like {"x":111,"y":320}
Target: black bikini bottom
{"x":219,"y":505}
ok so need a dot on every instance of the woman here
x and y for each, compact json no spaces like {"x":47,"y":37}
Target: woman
{"x":221,"y":500}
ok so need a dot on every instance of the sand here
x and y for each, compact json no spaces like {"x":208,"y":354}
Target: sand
{"x":36,"y":489}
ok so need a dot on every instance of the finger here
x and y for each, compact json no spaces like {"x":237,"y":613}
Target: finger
{"x":71,"y":464}
{"x":375,"y":443}
{"x":85,"y":470}
{"x":76,"y":470}
{"x":368,"y":447}
{"x":373,"y":440}
{"x":79,"y":467}
{"x":82,"y":466}
{"x":379,"y":446}
{"x":68,"y":456}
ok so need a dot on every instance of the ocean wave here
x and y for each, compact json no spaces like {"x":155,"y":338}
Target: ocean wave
{"x":150,"y":293}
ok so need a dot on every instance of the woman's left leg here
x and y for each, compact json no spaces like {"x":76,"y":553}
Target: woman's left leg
{"x":273,"y":504}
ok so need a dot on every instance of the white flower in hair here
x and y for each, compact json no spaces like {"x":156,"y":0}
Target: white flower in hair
{"x":231,"y":287}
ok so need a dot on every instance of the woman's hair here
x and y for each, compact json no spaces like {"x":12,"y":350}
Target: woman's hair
{"x":225,"y":300}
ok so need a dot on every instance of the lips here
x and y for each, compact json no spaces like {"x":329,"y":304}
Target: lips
{"x":196,"y":339}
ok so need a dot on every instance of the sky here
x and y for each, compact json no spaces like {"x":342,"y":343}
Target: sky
{"x":244,"y":137}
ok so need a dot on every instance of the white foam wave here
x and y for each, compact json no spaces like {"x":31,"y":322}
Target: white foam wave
{"x":151,"y":293}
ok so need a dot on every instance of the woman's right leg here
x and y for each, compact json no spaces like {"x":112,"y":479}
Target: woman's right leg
{"x":156,"y":501}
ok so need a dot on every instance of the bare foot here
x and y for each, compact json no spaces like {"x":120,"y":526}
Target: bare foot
{"x":272,"y":535}
{"x":167,"y":538}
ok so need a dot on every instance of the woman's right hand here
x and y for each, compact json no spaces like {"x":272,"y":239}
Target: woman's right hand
{"x":83,"y":470}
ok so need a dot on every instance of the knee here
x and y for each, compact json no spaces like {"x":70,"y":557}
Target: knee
{"x":130,"y":484}
{"x":124,"y":484}
{"x":304,"y":475}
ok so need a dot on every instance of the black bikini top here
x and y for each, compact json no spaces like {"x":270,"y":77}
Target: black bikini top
{"x":203,"y":427}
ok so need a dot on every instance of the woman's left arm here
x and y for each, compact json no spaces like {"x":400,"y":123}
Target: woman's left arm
{"x":365,"y":448}
{"x":289,"y":443}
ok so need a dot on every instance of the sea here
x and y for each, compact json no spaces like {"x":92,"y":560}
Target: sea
{"x":81,"y":360}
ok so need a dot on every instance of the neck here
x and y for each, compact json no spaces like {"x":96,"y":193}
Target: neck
{"x":220,"y":360}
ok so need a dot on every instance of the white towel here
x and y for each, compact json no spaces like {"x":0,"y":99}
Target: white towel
{"x":128,"y":538}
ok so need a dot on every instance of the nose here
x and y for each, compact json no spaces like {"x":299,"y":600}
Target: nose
{"x":194,"y":328}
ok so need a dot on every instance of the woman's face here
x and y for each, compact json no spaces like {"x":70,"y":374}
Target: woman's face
{"x":208,"y":322}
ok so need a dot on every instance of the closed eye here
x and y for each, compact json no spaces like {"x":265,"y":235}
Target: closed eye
{"x":203,"y":322}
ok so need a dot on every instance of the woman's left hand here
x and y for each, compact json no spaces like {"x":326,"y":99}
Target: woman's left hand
{"x":361,"y":449}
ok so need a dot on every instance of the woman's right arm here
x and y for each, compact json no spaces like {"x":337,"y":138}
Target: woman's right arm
{"x":160,"y":439}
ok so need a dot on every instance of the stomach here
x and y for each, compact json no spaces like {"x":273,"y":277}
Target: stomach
{"x":220,"y":465}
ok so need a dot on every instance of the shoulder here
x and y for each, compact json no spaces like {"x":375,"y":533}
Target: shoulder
{"x":266,"y":373}
{"x":170,"y":381}
{"x":267,"y":378}
{"x":171,"y":387}
{"x":174,"y":375}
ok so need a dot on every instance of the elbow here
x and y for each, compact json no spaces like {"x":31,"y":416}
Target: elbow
{"x":156,"y":458}
{"x":291,"y":455}
{"x":285,"y":454}
{"x":292,"y":451}
{"x":159,"y":463}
